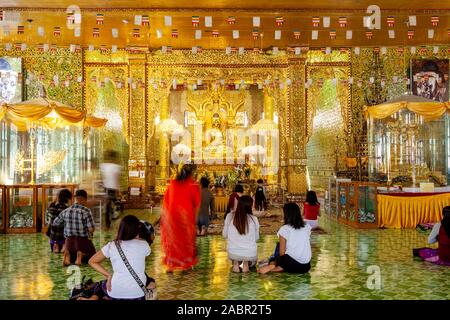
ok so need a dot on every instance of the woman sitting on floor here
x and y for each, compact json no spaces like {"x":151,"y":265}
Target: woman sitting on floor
{"x":99,"y":291}
{"x":440,"y":234}
{"x":121,"y":284}
{"x":241,"y":229}
{"x":294,"y":244}
{"x":311,"y":210}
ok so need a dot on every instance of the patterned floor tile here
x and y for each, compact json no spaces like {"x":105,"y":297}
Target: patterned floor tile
{"x":341,"y":264}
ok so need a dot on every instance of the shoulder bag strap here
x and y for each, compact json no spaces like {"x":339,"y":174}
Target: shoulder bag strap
{"x":130,"y":269}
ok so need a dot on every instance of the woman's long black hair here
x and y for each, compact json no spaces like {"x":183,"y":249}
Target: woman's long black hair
{"x":445,"y":223}
{"x":260,"y":199}
{"x":129,"y":228}
{"x":311,"y":198}
{"x":244,"y":207}
{"x":293,"y":216}
{"x":185,"y":172}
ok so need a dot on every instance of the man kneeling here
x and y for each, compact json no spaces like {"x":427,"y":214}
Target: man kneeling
{"x":78,"y":228}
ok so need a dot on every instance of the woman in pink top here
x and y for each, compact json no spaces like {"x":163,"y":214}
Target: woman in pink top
{"x":311,"y":209}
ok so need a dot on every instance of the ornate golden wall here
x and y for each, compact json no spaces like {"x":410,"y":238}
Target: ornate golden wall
{"x":211,"y":66}
{"x":394,"y":63}
{"x":294,"y":163}
{"x":105,"y":98}
{"x":152,"y":75}
{"x":41,"y":67}
{"x":329,"y":112}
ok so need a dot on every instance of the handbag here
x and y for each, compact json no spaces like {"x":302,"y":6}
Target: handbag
{"x":148,"y":293}
{"x":83,"y":290}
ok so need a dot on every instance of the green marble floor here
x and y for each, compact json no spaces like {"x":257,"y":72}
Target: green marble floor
{"x":344,"y":266}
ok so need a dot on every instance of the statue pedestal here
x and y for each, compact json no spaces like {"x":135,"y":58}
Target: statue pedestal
{"x":219,"y":191}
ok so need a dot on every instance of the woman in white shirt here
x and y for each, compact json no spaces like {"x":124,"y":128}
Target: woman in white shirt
{"x":241,"y":229}
{"x":295,"y":246}
{"x":121,"y":284}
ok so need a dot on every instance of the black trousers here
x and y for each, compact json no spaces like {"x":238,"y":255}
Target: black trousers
{"x":110,"y":199}
{"x":289,"y":264}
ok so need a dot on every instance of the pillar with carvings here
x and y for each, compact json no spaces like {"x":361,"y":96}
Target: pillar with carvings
{"x":296,"y":171}
{"x":270,"y":139}
{"x":163,"y":139}
{"x":137,"y":124}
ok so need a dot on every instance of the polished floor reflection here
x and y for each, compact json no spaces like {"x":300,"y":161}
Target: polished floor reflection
{"x":343,"y":262}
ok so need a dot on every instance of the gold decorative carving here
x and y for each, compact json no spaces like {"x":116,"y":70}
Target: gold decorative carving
{"x":207,"y":103}
{"x":41,"y":67}
{"x":320,"y":73}
{"x":137,"y":121}
{"x":95,"y":75}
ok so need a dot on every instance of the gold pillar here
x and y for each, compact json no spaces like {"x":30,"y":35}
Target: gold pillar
{"x":137,"y":123}
{"x":163,"y":142}
{"x":269,"y":115}
{"x":268,"y":104}
{"x":296,"y":163}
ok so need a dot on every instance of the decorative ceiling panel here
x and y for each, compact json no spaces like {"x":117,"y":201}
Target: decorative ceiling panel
{"x":296,"y":24}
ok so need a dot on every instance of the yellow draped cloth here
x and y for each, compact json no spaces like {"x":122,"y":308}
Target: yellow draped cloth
{"x":408,"y":212}
{"x":429,"y":110}
{"x":48,"y":113}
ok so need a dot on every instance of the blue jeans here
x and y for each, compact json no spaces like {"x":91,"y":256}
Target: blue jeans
{"x":276,"y":253}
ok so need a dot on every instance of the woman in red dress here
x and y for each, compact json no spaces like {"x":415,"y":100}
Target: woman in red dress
{"x":178,"y":221}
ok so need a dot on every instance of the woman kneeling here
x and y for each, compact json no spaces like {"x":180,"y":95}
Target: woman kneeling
{"x":241,"y":229}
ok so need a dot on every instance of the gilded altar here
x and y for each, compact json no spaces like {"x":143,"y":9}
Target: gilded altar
{"x":217,"y":99}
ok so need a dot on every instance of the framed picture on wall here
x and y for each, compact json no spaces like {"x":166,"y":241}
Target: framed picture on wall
{"x":10,"y":79}
{"x":431,"y":79}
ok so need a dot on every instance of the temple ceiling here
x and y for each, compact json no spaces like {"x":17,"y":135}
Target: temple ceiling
{"x":296,"y":28}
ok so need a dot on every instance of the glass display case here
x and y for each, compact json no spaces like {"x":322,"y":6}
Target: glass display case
{"x":40,"y":154}
{"x":2,"y":209}
{"x":358,"y":204}
{"x":342,"y":202}
{"x":333,"y":195}
{"x":406,"y":150}
{"x":24,"y":206}
{"x":21,"y":208}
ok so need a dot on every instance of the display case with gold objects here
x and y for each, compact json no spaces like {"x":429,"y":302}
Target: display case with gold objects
{"x":408,"y":143}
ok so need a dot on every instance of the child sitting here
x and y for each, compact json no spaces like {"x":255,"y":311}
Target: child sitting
{"x":241,"y":229}
{"x":294,"y":244}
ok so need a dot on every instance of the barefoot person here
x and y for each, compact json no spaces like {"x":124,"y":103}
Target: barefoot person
{"x":206,"y":207}
{"x":178,"y":221}
{"x":127,"y":254}
{"x":295,"y":248}
{"x":241,"y":229}
{"x":440,"y":234}
{"x":56,"y":234}
{"x":311,"y":210}
{"x":78,"y":228}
